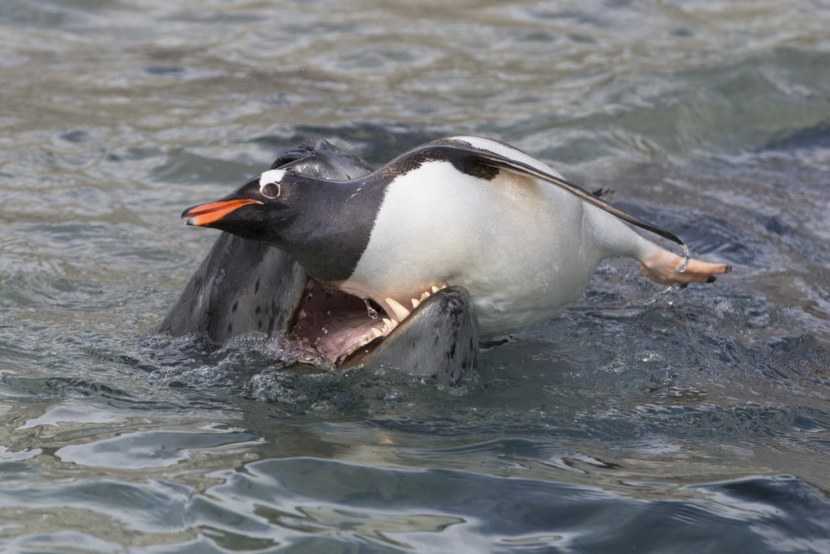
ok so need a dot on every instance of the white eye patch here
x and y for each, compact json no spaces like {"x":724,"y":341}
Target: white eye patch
{"x":269,"y":183}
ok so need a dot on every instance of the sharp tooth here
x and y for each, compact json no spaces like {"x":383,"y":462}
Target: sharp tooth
{"x":398,"y":310}
{"x":435,"y":289}
{"x":415,"y":302}
{"x":424,"y":295}
{"x":389,"y":324}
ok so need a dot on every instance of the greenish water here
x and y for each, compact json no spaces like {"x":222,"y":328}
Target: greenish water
{"x":689,"y":421}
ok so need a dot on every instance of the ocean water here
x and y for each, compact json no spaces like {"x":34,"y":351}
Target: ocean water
{"x":640,"y":420}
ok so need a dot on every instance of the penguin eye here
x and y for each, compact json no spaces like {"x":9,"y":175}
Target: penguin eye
{"x":270,"y":190}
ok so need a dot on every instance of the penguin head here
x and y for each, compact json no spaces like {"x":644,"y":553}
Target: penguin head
{"x":262,"y":209}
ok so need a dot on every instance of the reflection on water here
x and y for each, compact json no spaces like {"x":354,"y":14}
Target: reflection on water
{"x":639,"y":419}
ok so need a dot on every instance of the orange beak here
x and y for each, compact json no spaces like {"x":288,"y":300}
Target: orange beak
{"x":204,"y":215}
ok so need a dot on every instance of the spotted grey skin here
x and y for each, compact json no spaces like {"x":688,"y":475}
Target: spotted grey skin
{"x":246,"y":285}
{"x":242,"y":286}
{"x":439,"y":342}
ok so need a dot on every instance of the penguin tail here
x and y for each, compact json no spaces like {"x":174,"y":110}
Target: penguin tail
{"x":668,"y":268}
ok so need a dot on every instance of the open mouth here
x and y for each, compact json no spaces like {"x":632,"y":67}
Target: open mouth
{"x":333,"y":327}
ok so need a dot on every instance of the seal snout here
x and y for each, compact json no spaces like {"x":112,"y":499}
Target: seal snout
{"x":333,"y":326}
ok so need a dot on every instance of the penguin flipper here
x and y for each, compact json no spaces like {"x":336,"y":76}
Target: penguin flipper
{"x":539,"y":171}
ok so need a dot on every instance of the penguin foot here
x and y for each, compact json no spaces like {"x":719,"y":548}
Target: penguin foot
{"x":667,"y":268}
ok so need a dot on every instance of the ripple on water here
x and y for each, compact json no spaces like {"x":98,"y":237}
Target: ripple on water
{"x":443,"y":510}
{"x":148,"y":449}
{"x":640,"y":418}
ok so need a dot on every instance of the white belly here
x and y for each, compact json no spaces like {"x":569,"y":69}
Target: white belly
{"x":520,"y":247}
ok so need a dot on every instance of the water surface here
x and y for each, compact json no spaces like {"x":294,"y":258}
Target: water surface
{"x":638,"y":420}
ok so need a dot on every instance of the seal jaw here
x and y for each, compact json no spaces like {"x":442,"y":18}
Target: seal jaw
{"x":332,"y":327}
{"x":400,"y":312}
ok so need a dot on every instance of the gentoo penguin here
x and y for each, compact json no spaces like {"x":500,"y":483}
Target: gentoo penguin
{"x":462,"y":211}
